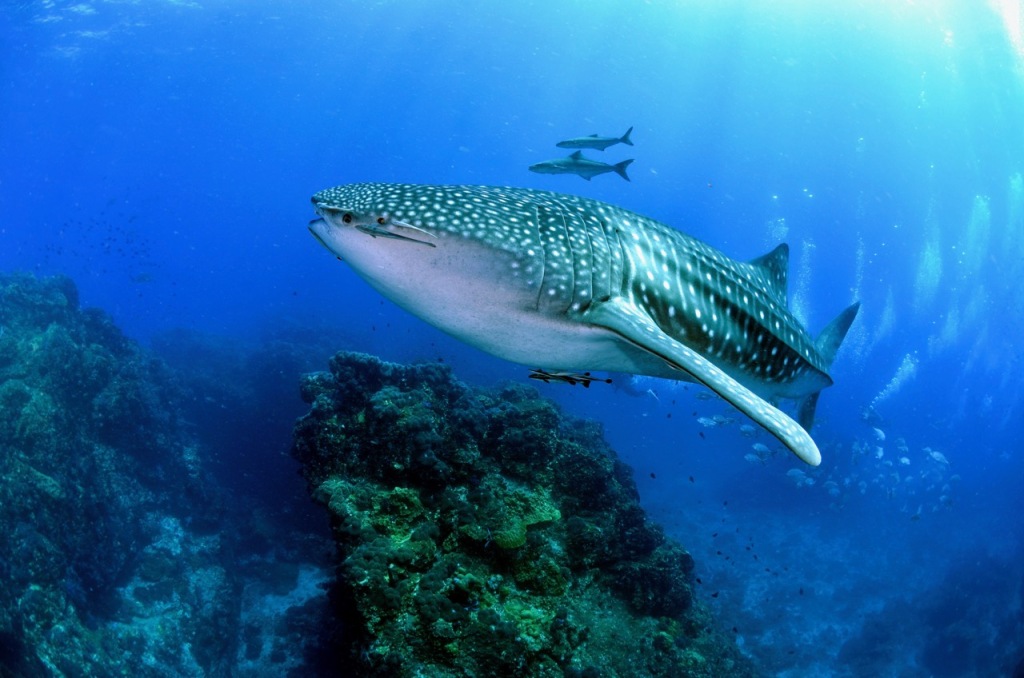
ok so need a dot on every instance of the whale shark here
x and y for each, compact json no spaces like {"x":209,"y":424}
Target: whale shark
{"x":569,"y":284}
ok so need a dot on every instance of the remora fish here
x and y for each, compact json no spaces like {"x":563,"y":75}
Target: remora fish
{"x":584,"y":167}
{"x":596,"y":142}
{"x":571,"y":378}
{"x":570,"y":284}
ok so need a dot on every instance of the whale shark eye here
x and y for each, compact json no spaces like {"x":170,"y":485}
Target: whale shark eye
{"x":347,"y":218}
{"x":381,"y":221}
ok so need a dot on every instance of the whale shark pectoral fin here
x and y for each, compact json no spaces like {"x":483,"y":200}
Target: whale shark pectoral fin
{"x":636,"y":327}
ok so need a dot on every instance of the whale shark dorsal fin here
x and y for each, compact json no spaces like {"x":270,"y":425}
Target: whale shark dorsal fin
{"x":578,"y":155}
{"x":774,"y":268}
{"x":636,"y":327}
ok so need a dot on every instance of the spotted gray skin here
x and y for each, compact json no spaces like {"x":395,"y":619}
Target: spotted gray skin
{"x":567,"y":283}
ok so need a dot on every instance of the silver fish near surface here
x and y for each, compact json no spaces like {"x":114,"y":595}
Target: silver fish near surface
{"x":569,"y":284}
{"x":596,"y":142}
{"x":580,"y":166}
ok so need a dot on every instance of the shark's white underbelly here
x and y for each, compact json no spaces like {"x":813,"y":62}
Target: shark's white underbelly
{"x":500,"y":314}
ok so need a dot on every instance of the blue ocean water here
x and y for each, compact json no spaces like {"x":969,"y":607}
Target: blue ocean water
{"x":162,"y":154}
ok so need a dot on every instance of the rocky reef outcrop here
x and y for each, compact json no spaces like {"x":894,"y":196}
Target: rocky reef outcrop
{"x":485,"y":533}
{"x":110,"y":562}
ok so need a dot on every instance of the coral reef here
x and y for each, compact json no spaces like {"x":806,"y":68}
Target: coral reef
{"x":484,"y":533}
{"x":480,"y":533}
{"x":108,"y":563}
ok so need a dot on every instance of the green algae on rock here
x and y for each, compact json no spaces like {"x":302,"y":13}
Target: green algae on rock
{"x":485,"y":533}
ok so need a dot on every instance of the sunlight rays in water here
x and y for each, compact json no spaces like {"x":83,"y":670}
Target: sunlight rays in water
{"x":800,"y":296}
{"x":1011,"y":14}
{"x":929,"y":275}
{"x":963,"y":280}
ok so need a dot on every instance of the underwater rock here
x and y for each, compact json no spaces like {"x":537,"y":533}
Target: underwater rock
{"x":98,"y":573}
{"x":485,"y":533}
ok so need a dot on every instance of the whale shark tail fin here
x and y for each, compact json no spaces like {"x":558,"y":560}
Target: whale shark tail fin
{"x":832,"y":336}
{"x":827,"y":344}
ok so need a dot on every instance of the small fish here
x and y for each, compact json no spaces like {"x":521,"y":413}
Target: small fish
{"x":799,"y":477}
{"x":595,"y":142}
{"x":937,"y":456}
{"x":572,"y":378}
{"x":580,"y":166}
{"x":707,"y":422}
{"x":879,"y":434}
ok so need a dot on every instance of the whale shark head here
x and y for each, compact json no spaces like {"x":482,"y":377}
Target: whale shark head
{"x":466,"y":259}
